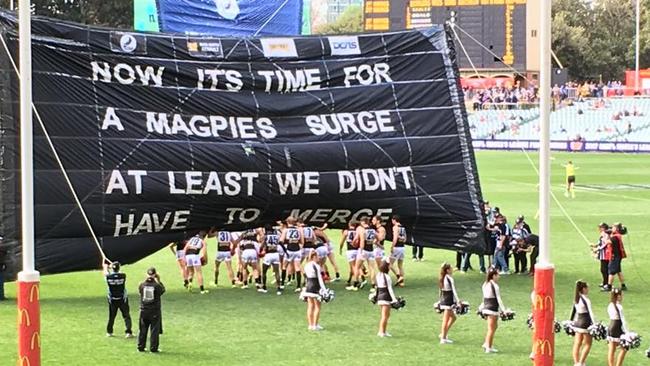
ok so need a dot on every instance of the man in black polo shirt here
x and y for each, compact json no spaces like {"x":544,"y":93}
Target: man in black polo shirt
{"x":150,"y":314}
{"x":117,"y":298}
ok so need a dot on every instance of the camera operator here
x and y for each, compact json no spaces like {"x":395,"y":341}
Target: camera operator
{"x":616,"y":254}
{"x":117,"y":298}
{"x":600,"y":250}
{"x":150,"y":314}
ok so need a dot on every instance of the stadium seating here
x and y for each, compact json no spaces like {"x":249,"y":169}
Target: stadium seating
{"x":626,"y":119}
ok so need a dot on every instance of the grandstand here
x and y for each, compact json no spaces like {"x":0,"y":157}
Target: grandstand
{"x":593,"y":120}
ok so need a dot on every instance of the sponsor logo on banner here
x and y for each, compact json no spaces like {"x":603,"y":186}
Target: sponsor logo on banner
{"x":279,"y":47}
{"x":205,"y":48}
{"x":36,"y":341}
{"x":543,"y":303}
{"x":34,"y":291}
{"x":344,"y":45}
{"x":131,"y":43}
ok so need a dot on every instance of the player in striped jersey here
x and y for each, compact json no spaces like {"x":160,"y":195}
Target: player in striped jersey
{"x":195,"y":249}
{"x":365,"y":236}
{"x":293,"y":240}
{"x":324,"y":250}
{"x":178,"y":248}
{"x":397,"y":249}
{"x":309,"y":239}
{"x":225,"y":248}
{"x":270,"y":240}
{"x":348,"y":239}
{"x":250,"y":253}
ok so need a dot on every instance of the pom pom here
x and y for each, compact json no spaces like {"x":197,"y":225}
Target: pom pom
{"x":530,"y":322}
{"x":437,"y":308}
{"x":326,"y":295}
{"x":598,"y":331}
{"x":462,"y":308}
{"x":557,"y":327}
{"x":567,"y":325}
{"x":507,"y":315}
{"x":630,"y":340}
{"x":399,"y":304}
{"x":372,"y":297}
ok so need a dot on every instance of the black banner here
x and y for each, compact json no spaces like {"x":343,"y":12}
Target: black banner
{"x":163,"y":135}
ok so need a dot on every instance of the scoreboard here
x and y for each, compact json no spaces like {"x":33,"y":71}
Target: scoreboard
{"x":498,"y":25}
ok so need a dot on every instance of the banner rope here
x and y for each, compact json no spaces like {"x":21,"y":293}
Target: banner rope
{"x":564,"y":211}
{"x":58,"y":160}
{"x":270,"y":18}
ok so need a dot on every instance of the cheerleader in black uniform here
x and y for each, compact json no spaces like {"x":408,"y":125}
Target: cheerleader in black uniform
{"x":616,"y":328}
{"x":385,"y":296}
{"x":582,"y":317}
{"x":492,"y":307}
{"x":313,"y":285}
{"x":448,"y":297}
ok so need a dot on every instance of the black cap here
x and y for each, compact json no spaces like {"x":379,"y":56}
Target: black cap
{"x":115,"y":266}
{"x":603,"y":225}
{"x":151,"y":271}
{"x":520,"y":218}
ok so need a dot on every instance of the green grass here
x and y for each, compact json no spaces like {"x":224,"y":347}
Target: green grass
{"x":242,"y":327}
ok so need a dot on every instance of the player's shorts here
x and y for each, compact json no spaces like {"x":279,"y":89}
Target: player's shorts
{"x":293,"y":256}
{"x":571,"y":179}
{"x":352,"y":255}
{"x":378,"y":253}
{"x":271,"y":258}
{"x":330,"y":248}
{"x":180,"y":254}
{"x":322,"y":252}
{"x":398,"y":253}
{"x":306,"y":251}
{"x":366,"y":255}
{"x":224,"y":256}
{"x":281,"y":250}
{"x":614,"y":266}
{"x":193,"y":260}
{"x":249,"y":256}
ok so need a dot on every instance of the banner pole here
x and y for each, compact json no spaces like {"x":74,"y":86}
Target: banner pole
{"x":544,"y":297}
{"x":29,"y":337}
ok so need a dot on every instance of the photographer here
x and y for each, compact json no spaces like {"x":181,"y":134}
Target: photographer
{"x":616,"y":254}
{"x":150,"y":314}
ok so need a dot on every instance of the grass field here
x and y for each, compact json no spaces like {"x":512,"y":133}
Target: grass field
{"x":241,"y":327}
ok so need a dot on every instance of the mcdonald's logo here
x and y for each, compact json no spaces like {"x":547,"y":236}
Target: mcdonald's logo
{"x":24,"y":361}
{"x":543,"y":347}
{"x":23,"y":314}
{"x":36,"y":340}
{"x":32,"y":291}
{"x":543,"y":303}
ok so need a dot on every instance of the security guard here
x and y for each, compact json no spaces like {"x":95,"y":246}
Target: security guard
{"x":117,"y":298}
{"x":150,"y":314}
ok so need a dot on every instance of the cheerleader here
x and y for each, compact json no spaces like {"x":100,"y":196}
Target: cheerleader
{"x":582,"y":317}
{"x":313,"y":285}
{"x":385,"y":297}
{"x":492,"y":306}
{"x":616,"y":329}
{"x":448,"y":297}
